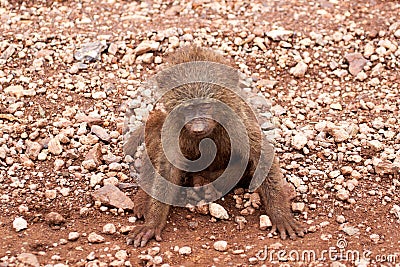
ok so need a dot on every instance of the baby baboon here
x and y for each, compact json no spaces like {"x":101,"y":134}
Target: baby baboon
{"x":196,"y":109}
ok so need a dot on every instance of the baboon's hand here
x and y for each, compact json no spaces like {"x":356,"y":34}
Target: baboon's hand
{"x":284,"y":222}
{"x":142,"y":234}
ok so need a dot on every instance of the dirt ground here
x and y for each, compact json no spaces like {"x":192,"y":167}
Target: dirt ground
{"x":360,"y":229}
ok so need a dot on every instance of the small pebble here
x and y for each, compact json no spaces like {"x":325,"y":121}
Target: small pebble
{"x":109,"y":229}
{"x":218,"y":211}
{"x":265,"y":222}
{"x":221,"y":245}
{"x":73,"y":236}
{"x":185,"y":250}
{"x":95,"y":238}
{"x":54,"y":218}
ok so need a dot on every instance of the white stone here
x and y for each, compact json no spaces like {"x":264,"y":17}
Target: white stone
{"x":279,"y":35}
{"x":350,"y":230}
{"x":376,"y":145}
{"x":334,"y":174}
{"x":95,"y":238}
{"x":339,"y":134}
{"x":342,"y":194}
{"x":298,"y":206}
{"x":265,"y":222}
{"x":218,"y":211}
{"x":121,"y":255}
{"x":396,"y":211}
{"x":185,"y":250}
{"x":221,"y":245}
{"x":72,"y":236}
{"x":299,"y":70}
{"x":99,"y":95}
{"x":20,"y":224}
{"x":299,"y":141}
{"x":340,"y":219}
{"x":58,"y":164}
{"x":374,"y":237}
{"x":65,"y":191}
{"x":157,"y":260}
{"x":28,"y":259}
{"x":109,"y":229}
{"x":14,"y":90}
{"x":147,"y":46}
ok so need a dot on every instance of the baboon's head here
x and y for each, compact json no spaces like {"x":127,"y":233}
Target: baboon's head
{"x":199,"y":115}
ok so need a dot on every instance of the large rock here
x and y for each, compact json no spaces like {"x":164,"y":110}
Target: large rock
{"x":112,"y":196}
{"x":147,"y":46}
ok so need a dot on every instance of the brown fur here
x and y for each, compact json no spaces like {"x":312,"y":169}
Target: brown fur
{"x":196,"y":53}
{"x":274,"y":191}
